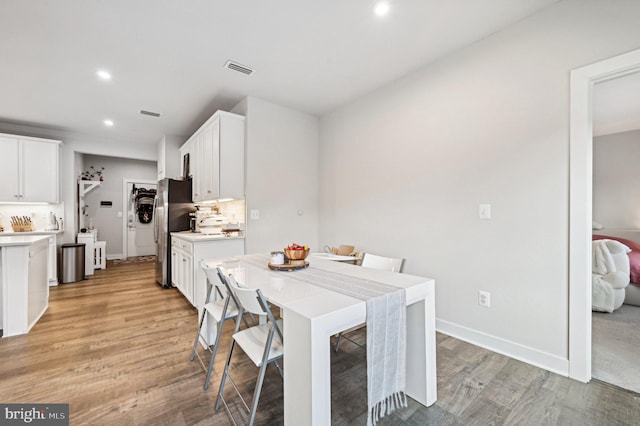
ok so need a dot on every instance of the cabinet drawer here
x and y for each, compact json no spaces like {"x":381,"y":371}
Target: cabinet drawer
{"x":186,"y":247}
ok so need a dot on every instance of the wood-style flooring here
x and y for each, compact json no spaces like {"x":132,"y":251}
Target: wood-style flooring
{"x":116,"y":348}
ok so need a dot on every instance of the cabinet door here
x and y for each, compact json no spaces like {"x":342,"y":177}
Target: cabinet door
{"x":175,"y":261}
{"x":188,"y":277}
{"x":9,"y":191}
{"x":53,"y":261}
{"x":184,"y":269}
{"x":196,"y":163}
{"x":210,"y":160}
{"x":231,"y":156}
{"x":39,"y":175}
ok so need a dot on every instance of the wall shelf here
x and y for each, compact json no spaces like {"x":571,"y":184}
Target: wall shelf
{"x":87,"y":185}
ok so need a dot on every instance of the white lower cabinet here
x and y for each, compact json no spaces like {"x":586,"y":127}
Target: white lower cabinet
{"x":52,"y":266}
{"x":181,"y":270}
{"x":186,"y":255}
{"x":23,"y":283}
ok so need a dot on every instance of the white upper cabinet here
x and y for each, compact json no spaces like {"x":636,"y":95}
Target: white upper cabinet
{"x":29,"y":170}
{"x":217,"y":158}
{"x":9,"y":190}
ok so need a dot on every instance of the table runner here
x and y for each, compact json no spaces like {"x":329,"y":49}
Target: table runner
{"x":386,"y":332}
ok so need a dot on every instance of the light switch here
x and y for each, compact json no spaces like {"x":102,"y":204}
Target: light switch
{"x":255,"y":214}
{"x":484,"y":211}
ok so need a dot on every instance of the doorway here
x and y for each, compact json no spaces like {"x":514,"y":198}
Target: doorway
{"x":137,"y":233}
{"x":580,"y":202}
{"x":616,"y":153}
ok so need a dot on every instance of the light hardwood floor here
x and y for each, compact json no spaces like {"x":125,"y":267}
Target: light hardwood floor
{"x":116,"y":348}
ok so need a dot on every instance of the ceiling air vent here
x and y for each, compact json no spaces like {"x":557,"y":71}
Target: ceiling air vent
{"x":237,"y":67}
{"x":153,"y":114}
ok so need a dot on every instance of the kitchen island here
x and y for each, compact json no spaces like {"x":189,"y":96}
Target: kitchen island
{"x":24,"y":295}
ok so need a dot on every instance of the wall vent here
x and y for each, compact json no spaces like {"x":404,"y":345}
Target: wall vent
{"x":153,"y":114}
{"x":237,"y":67}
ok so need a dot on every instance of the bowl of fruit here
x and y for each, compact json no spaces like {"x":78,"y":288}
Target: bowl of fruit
{"x":296,"y":253}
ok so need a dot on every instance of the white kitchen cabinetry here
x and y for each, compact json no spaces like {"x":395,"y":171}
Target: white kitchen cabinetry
{"x":52,"y":265}
{"x":23,"y":282}
{"x":29,"y":169}
{"x":191,"y":249}
{"x":182,"y":267}
{"x":217,"y":158}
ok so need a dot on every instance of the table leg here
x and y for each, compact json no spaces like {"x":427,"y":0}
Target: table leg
{"x":307,"y":371}
{"x":421,"y":350}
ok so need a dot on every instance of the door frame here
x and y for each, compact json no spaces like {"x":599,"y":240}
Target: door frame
{"x":580,"y":202}
{"x":125,"y":208}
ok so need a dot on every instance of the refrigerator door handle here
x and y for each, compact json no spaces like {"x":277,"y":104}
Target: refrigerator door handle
{"x":155,"y":219}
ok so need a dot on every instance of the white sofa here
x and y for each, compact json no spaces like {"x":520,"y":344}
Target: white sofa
{"x":610,"y":274}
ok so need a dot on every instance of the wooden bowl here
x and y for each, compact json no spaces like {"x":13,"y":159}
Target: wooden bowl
{"x":296,"y":254}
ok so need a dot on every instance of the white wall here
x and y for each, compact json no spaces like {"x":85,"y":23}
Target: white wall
{"x":281,"y":176}
{"x":106,"y":219}
{"x":404,"y":169}
{"x":616,"y":180}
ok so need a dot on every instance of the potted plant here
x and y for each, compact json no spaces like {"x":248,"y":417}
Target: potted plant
{"x":92,"y":173}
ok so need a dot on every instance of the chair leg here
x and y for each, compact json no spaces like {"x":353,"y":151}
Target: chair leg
{"x":279,"y":369}
{"x":224,"y":375}
{"x":213,"y":354}
{"x":195,"y":344}
{"x":256,"y":393}
{"x":263,"y":368}
{"x":338,"y":341}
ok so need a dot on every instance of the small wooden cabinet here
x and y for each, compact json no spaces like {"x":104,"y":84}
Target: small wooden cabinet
{"x":217,"y":158}
{"x":29,"y":170}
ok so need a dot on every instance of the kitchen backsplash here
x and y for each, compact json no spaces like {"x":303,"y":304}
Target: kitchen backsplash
{"x":39,"y":214}
{"x":234,"y":211}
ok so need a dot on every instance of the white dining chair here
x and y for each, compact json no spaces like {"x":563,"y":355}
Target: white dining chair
{"x":221,"y":305}
{"x":262,"y":343}
{"x":392,"y":264}
{"x":373,"y":261}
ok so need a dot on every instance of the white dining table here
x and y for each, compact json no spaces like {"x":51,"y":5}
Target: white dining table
{"x":313,"y":314}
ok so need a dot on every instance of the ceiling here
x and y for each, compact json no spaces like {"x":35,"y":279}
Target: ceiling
{"x":167,"y":56}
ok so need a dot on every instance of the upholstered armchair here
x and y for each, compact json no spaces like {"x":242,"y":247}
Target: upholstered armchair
{"x":610,"y":274}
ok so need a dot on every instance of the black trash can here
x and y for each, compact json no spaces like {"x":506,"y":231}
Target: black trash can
{"x":72,"y":262}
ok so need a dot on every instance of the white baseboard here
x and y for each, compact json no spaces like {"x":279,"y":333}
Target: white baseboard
{"x":114,"y":256}
{"x":544,"y":360}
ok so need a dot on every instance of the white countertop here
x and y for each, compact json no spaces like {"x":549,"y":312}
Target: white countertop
{"x":196,"y":236}
{"x":21,"y":240}
{"x":7,"y":232}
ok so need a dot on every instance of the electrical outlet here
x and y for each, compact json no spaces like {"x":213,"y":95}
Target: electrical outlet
{"x":484,"y":299}
{"x":255,"y":214}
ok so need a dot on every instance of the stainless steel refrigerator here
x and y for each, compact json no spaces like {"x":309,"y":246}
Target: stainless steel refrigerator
{"x":171,"y":214}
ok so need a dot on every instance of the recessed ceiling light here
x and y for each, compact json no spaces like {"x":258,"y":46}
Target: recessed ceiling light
{"x":381,"y":8}
{"x":104,"y":75}
{"x":108,"y":123}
